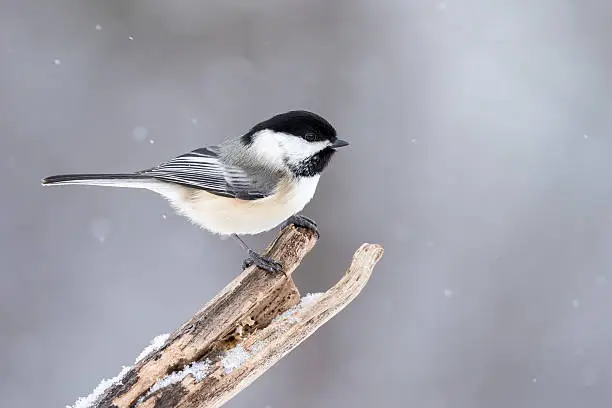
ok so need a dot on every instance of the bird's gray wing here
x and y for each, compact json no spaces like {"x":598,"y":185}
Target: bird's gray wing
{"x":203,"y":169}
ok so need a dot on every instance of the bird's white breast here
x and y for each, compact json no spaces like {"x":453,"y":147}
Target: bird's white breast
{"x":223,"y":215}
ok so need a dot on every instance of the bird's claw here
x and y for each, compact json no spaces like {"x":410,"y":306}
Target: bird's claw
{"x":267,"y":264}
{"x":247,"y":263}
{"x":303,"y":222}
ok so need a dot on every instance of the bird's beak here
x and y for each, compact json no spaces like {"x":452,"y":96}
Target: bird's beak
{"x":339,"y":143}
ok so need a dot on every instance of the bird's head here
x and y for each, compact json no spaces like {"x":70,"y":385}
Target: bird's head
{"x":300,"y":140}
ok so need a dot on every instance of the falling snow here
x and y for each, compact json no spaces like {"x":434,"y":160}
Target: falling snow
{"x":101,"y":228}
{"x":194,"y":121}
{"x":448,"y":293}
{"x":164,"y":216}
{"x":151,"y":141}
{"x":57,"y":61}
{"x":131,"y":38}
{"x":590,"y":376}
{"x":140,"y":133}
{"x":98,"y":27}
{"x":575,"y":303}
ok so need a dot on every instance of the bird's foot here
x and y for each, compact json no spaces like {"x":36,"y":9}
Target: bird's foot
{"x":267,"y":264}
{"x":304,"y":222}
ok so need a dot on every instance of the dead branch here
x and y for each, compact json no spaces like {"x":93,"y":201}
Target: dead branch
{"x":250,"y":325}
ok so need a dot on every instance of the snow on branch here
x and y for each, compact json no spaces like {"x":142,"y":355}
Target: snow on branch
{"x":243,"y":331}
{"x":105,"y":384}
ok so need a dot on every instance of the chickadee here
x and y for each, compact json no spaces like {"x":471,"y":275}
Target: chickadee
{"x":243,"y":186}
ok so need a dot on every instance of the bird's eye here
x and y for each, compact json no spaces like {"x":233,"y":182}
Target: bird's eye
{"x":310,"y":136}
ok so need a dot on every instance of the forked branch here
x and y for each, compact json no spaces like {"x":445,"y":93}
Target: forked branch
{"x":250,"y":325}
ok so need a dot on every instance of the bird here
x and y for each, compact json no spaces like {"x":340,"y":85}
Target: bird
{"x":243,"y":186}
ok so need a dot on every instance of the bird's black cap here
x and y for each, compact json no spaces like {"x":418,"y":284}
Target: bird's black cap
{"x":300,"y":123}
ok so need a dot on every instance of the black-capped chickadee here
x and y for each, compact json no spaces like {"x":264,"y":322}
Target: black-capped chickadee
{"x":243,"y":186}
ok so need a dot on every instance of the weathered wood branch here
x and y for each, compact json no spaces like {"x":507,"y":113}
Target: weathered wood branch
{"x":251,"y":324}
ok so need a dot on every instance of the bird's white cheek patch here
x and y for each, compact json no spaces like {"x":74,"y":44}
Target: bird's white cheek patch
{"x":276,"y":147}
{"x":297,"y":150}
{"x":267,"y":146}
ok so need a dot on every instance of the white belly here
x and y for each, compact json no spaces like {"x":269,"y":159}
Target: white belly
{"x":226,"y":216}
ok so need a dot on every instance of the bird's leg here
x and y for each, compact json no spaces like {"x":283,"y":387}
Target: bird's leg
{"x":263,"y":262}
{"x":302,"y":221}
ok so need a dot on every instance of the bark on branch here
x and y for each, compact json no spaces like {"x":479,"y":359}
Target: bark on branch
{"x":245,"y":329}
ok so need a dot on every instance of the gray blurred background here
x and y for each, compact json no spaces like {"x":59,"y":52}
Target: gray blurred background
{"x":480,"y":158}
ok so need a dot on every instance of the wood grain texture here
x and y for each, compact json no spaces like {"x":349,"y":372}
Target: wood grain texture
{"x":257,"y":315}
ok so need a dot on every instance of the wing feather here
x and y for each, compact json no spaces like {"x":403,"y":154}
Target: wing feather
{"x":203,"y":169}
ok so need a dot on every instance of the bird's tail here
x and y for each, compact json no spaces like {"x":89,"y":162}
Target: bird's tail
{"x":110,"y":180}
